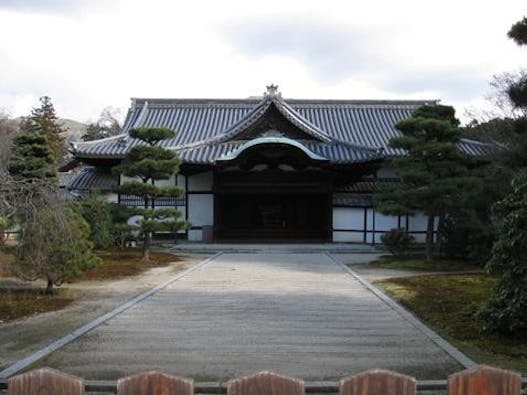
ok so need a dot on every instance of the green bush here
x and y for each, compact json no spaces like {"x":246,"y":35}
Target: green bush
{"x":397,"y":240}
{"x":97,"y":213}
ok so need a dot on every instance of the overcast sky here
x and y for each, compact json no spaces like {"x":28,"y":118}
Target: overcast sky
{"x":89,"y":54}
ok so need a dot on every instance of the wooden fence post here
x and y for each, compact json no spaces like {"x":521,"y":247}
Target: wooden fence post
{"x":265,"y":383}
{"x":45,"y":382}
{"x":484,"y":380}
{"x":378,"y":382}
{"x":154,"y":383}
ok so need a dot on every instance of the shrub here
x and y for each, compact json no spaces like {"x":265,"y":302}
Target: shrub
{"x":397,"y":240}
{"x":96,"y":212}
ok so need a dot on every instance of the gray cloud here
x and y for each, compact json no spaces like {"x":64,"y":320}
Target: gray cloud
{"x":456,"y":84}
{"x":334,"y":52}
{"x":330,"y":51}
{"x":49,"y":6}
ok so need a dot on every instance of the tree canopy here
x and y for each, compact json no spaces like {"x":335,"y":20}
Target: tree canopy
{"x":433,"y":174}
{"x":146,"y":163}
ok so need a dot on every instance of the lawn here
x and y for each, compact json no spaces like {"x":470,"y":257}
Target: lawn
{"x":449,"y":304}
{"x":417,"y":263}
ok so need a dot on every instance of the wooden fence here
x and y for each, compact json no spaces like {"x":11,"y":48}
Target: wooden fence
{"x":482,"y":380}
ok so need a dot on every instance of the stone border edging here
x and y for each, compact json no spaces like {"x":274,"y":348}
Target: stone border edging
{"x":54,"y":346}
{"x":456,"y":354}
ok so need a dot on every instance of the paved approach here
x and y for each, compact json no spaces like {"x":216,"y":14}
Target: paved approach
{"x":296,"y":314}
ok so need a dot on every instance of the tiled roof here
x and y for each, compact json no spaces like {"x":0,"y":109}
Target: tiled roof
{"x":92,"y":178}
{"x":342,"y":125}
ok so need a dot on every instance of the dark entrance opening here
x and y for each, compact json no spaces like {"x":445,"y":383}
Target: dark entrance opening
{"x":273,"y":217}
{"x":272,"y":206}
{"x":273,"y":192}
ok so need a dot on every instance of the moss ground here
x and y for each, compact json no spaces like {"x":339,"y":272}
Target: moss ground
{"x":449,"y":303}
{"x":25,"y":300}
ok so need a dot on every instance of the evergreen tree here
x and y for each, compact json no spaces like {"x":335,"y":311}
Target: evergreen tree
{"x":506,"y":312}
{"x":53,"y":243}
{"x":43,"y":120}
{"x":97,"y":213}
{"x":149,"y":162}
{"x":32,"y":159}
{"x":39,"y":147}
{"x":433,"y":174}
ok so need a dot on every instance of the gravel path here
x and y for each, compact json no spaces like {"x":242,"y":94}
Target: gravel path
{"x":297,"y":314}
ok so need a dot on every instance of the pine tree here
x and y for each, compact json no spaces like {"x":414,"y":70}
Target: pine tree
{"x":39,"y":147}
{"x":43,"y":120}
{"x":433,"y":174}
{"x":149,"y":162}
{"x":32,"y":159}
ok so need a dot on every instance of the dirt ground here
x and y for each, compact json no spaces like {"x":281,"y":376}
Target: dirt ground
{"x":24,"y":336}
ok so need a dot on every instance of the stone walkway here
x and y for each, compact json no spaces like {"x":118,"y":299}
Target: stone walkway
{"x":296,"y":314}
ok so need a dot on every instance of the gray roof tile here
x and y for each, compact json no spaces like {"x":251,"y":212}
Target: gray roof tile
{"x":351,"y":130}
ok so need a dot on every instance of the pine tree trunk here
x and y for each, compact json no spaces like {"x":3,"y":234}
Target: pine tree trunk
{"x":49,"y":287}
{"x":146,"y":247}
{"x":439,"y":240}
{"x":430,"y":238}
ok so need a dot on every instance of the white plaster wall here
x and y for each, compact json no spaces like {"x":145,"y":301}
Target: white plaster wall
{"x":348,"y":218}
{"x":385,"y":222}
{"x":419,"y":237}
{"x":168,"y":182}
{"x":200,"y":182}
{"x":417,"y":222}
{"x":180,"y":180}
{"x":341,"y":236}
{"x":123,"y":179}
{"x":195,"y":235}
{"x":200,"y":209}
{"x":111,"y":197}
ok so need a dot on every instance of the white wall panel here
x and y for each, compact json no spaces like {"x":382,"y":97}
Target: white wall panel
{"x":417,"y":223}
{"x":111,"y":197}
{"x":348,"y":218}
{"x":200,"y":209}
{"x":168,"y":182}
{"x":340,"y":236}
{"x":200,"y":182}
{"x":385,"y":222}
{"x":180,"y":180}
{"x":195,"y":235}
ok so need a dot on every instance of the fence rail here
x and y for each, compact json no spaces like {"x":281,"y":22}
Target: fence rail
{"x":476,"y":381}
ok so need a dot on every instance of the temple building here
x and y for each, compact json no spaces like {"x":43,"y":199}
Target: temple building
{"x":268,"y":168}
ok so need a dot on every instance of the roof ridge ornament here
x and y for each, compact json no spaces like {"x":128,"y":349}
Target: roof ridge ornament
{"x":272,"y":92}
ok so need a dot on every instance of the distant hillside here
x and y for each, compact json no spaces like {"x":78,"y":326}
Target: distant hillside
{"x":74,"y":129}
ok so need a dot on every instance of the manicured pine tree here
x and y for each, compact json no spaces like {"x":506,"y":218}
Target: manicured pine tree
{"x":433,"y":174}
{"x":149,"y":162}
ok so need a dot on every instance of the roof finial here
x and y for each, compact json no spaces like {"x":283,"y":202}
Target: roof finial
{"x":272,"y":91}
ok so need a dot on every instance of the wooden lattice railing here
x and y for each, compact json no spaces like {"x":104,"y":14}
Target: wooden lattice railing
{"x":482,"y":380}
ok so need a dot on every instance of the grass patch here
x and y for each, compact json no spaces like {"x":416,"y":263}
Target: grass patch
{"x":22,"y":302}
{"x":117,"y":263}
{"x":418,"y":263}
{"x":449,"y":303}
